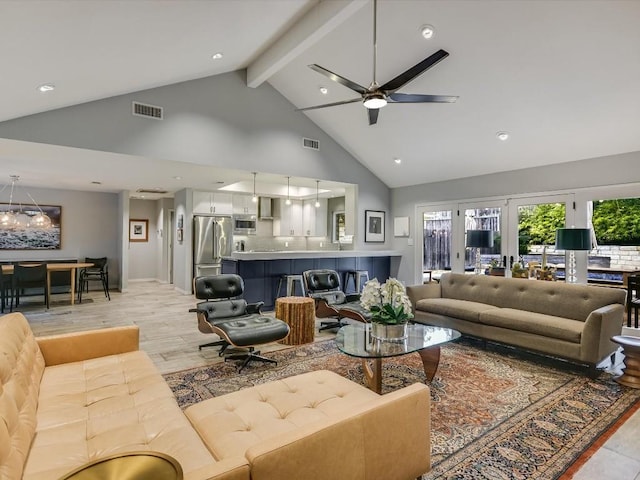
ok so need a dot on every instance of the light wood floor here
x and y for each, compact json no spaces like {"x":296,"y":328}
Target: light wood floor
{"x":169,"y":334}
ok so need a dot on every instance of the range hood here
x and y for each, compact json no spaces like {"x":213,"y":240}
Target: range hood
{"x":265,"y":208}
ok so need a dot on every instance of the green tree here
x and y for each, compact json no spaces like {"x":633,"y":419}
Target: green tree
{"x":617,"y":222}
{"x":538,"y":223}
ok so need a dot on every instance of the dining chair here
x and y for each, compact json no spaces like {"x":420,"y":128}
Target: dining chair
{"x":5,"y":288}
{"x":29,"y":276}
{"x":633,"y":298}
{"x":99,"y":272}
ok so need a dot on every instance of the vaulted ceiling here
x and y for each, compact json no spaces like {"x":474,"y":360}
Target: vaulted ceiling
{"x":561,"y":77}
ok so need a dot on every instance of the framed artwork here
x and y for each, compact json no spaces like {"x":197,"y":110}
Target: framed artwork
{"x":138,"y":230}
{"x":373,"y":226}
{"x":22,"y":236}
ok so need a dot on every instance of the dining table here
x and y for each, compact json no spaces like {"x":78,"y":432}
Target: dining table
{"x":7,"y":269}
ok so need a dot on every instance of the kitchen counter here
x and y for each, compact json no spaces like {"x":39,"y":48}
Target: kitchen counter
{"x":262,"y":271}
{"x":292,"y":254}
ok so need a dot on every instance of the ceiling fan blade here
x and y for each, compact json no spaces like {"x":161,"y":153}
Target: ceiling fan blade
{"x":373,"y":115}
{"x":337,"y":78}
{"x":414,"y":71}
{"x":344,"y":102}
{"x":415,"y":98}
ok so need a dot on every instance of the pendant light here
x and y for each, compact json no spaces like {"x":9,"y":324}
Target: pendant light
{"x":254,"y":199}
{"x":317,"y":205}
{"x":20,"y":220}
{"x":288,"y":201}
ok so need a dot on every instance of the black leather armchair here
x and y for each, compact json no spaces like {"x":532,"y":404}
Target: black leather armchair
{"x":237,"y":323}
{"x":331,"y":302}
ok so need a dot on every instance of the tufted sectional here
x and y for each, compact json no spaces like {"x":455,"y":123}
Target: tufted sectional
{"x":574,"y":322}
{"x":70,"y":399}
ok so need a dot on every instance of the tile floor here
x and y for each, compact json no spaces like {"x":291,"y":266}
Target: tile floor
{"x":168,"y":333}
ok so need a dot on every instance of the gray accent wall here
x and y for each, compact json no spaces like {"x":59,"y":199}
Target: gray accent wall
{"x":570,"y":176}
{"x":90,"y":225}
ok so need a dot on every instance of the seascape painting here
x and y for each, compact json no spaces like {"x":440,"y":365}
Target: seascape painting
{"x":23,"y":235}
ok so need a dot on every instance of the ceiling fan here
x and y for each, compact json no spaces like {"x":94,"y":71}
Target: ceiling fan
{"x":377,"y":96}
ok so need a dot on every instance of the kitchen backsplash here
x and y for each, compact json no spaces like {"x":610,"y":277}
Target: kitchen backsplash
{"x":259,"y":243}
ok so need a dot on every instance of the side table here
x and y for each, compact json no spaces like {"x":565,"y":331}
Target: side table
{"x":299,"y":314}
{"x":631,"y":350}
{"x":144,"y":465}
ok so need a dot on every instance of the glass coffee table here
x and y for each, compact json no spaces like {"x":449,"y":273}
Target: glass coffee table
{"x":356,"y":340}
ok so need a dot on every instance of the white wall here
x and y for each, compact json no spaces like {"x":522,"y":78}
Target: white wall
{"x":89,"y":227}
{"x":584,"y":175}
{"x":143,"y":255}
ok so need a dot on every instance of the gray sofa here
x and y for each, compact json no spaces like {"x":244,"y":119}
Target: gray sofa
{"x":574,"y":322}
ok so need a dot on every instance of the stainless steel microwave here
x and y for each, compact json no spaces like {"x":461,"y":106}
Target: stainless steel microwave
{"x":244,"y":224}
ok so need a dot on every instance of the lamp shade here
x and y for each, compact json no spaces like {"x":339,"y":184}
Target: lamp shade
{"x":480,"y":238}
{"x":573,"y":239}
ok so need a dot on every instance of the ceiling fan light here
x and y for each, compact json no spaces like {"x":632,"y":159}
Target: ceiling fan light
{"x":375,"y":101}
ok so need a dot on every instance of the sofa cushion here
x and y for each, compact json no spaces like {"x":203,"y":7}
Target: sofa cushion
{"x":108,"y":405}
{"x":233,"y":423}
{"x":549,"y":298}
{"x":453,"y":308}
{"x":536,"y":323}
{"x":21,"y":368}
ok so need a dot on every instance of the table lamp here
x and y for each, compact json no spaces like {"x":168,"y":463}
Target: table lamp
{"x":572,"y":239}
{"x":479,"y":239}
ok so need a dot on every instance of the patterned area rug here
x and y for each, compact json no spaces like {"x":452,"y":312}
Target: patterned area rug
{"x":494,"y":415}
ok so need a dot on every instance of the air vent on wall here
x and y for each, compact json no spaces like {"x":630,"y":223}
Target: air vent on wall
{"x":147,"y":111}
{"x":310,"y":143}
{"x":152,"y":190}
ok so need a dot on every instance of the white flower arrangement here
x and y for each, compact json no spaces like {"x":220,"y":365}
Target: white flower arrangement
{"x":388,"y":303}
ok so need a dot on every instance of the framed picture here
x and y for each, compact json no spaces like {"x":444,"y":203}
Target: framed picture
{"x":373,"y":226}
{"x":24,"y":236}
{"x":138,"y":230}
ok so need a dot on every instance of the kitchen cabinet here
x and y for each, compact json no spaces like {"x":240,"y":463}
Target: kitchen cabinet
{"x":212,"y":203}
{"x":243,"y":205}
{"x":287,"y":220}
{"x":315,"y":219}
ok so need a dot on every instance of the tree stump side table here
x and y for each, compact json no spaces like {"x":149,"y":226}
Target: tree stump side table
{"x":299,"y":314}
{"x":631,"y":350}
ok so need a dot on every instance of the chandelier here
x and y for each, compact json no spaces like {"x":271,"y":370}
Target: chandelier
{"x":19,"y":216}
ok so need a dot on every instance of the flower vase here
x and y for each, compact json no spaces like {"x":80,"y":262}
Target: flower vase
{"x":389,"y":332}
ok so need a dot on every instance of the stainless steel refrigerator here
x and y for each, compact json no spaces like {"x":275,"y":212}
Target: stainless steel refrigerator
{"x":212,"y":240}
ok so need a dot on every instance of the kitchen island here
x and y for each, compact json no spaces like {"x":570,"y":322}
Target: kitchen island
{"x":261,"y":271}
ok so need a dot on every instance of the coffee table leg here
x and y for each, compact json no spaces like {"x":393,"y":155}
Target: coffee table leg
{"x":372,"y":369}
{"x":430,"y":360}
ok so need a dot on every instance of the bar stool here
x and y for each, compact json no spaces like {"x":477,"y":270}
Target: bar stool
{"x":359,"y":277}
{"x":291,"y":286}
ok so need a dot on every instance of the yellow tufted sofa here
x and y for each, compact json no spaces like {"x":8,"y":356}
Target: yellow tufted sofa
{"x":574,"y":322}
{"x":70,"y":399}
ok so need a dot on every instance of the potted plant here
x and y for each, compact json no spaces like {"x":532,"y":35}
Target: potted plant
{"x":517,"y":271}
{"x":390,"y":309}
{"x":495,"y":269}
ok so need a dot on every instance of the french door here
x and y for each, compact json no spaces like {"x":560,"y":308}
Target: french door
{"x":489,"y":215}
{"x":527,"y":239}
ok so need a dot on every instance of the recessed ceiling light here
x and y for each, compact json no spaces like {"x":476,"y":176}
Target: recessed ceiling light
{"x":46,"y":87}
{"x":217,"y":56}
{"x":96,"y":183}
{"x":177,"y":177}
{"x":324,"y":90}
{"x":427,"y":31}
{"x":504,"y":136}
{"x":397,"y":160}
